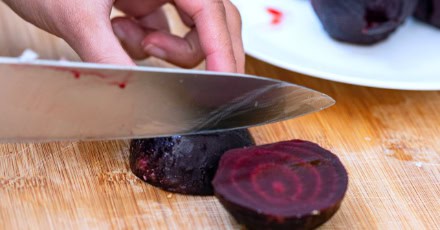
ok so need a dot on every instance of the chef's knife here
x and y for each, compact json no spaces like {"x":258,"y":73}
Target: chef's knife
{"x":50,"y":100}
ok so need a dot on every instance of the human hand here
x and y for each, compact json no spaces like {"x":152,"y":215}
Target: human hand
{"x":215,"y":33}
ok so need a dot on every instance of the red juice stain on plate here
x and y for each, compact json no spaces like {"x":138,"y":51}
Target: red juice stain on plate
{"x":277,"y":15}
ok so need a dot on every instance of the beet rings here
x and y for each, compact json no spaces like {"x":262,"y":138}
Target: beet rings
{"x":287,"y":185}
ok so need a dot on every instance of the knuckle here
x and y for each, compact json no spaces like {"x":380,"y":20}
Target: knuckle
{"x":237,"y":16}
{"x":192,"y":60}
{"x":219,"y":2}
{"x":219,"y":5}
{"x":211,"y":5}
{"x":233,"y":14}
{"x":233,"y":8}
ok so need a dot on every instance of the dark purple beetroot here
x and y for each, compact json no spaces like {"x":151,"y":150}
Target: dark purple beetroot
{"x":184,"y":164}
{"x":287,"y":185}
{"x":428,"y":11}
{"x":362,"y":21}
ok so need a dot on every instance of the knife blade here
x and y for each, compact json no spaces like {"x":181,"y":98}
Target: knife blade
{"x":44,"y":101}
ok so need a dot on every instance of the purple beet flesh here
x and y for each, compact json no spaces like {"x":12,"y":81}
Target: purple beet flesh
{"x":428,"y":11}
{"x":287,"y":185}
{"x":184,"y":164}
{"x":362,"y":21}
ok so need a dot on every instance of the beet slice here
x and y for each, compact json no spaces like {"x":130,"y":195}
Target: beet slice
{"x":428,"y":11}
{"x":362,"y":21}
{"x":184,"y":164}
{"x":287,"y":185}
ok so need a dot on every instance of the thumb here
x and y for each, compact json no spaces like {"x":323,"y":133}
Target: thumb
{"x":98,"y":44}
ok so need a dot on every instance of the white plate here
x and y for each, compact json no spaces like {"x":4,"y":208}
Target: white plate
{"x":409,"y":59}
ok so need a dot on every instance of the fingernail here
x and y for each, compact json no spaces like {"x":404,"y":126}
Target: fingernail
{"x":155,"y":51}
{"x":119,"y":31}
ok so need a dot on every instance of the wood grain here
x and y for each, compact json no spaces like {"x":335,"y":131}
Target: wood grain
{"x":388,"y":140}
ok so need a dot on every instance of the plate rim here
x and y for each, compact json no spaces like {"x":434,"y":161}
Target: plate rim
{"x":359,"y":81}
{"x":253,"y":50}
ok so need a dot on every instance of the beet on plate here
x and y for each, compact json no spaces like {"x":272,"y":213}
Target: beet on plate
{"x":428,"y":11}
{"x":184,"y":164}
{"x":362,"y":21}
{"x":287,"y":185}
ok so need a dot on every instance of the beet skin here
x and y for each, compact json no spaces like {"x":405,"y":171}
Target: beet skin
{"x":362,"y":21}
{"x":428,"y":11}
{"x":184,"y":164}
{"x":287,"y":185}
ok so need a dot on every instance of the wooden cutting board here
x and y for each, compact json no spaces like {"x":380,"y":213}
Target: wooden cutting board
{"x":388,"y":140}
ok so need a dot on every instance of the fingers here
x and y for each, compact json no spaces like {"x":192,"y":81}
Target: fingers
{"x":138,"y":8}
{"x":235,"y":29}
{"x":150,"y":37}
{"x":146,"y":16}
{"x":187,"y":20}
{"x":185,"y":52}
{"x":97,"y":43}
{"x":130,"y":34}
{"x":210,"y":19}
{"x":216,"y":33}
{"x":89,"y":34}
{"x":156,"y":20}
{"x":234,"y":24}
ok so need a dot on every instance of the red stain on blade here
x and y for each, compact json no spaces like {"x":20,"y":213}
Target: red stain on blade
{"x":277,"y":15}
{"x":77,"y":74}
{"x":90,"y":73}
{"x":122,"y":85}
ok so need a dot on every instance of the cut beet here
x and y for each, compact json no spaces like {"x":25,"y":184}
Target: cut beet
{"x":362,"y":21}
{"x":184,"y":164}
{"x":428,"y":11}
{"x":287,"y":185}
